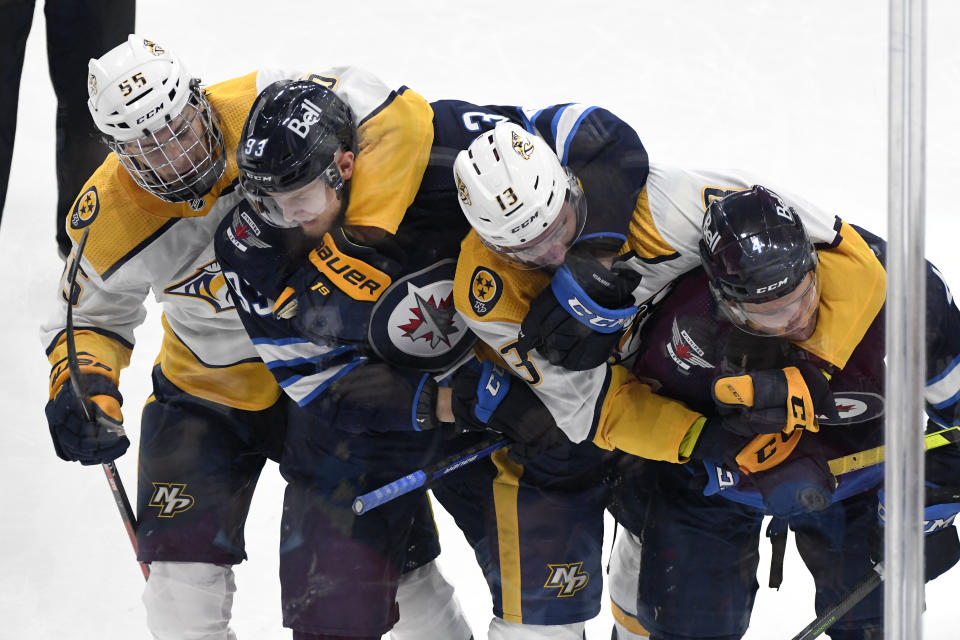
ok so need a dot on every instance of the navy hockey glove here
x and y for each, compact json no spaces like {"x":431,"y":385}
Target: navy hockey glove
{"x":941,"y":546}
{"x":803,"y":483}
{"x":577,"y":321}
{"x":774,"y":400}
{"x":74,"y":438}
{"x":486,"y":400}
{"x":330,"y":299}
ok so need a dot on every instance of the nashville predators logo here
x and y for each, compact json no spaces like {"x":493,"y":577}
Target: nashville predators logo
{"x":462,"y":190}
{"x":208,"y":284}
{"x":485,"y":290}
{"x":567,"y":578}
{"x":170,"y":498}
{"x":92,"y":85}
{"x":522,"y":146}
{"x":153,"y":47}
{"x":85,"y":209}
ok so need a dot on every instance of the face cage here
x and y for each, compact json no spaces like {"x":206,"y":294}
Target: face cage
{"x":183,"y":159}
{"x":535,"y":254}
{"x":742,"y":319}
{"x":270,"y":209}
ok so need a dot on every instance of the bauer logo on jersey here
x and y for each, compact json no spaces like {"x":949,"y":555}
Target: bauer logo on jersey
{"x":170,"y":498}
{"x":522,"y":146}
{"x":462,"y":190}
{"x":485,"y":290}
{"x":855,"y":407}
{"x":414,"y":323}
{"x":568,"y":578}
{"x":206,"y":283}
{"x":684,"y":349}
{"x":85,"y":209}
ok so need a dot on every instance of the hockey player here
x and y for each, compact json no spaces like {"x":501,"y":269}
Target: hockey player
{"x":555,"y":325}
{"x":694,"y":575}
{"x":214,"y":417}
{"x":395,"y":309}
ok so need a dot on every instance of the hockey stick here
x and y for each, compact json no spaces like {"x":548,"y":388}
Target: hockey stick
{"x":73,"y":364}
{"x":421,"y":477}
{"x":863,"y":588}
{"x":876,"y":455}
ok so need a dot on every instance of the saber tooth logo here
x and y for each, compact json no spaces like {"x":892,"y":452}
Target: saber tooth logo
{"x":170,"y":498}
{"x":567,"y":578}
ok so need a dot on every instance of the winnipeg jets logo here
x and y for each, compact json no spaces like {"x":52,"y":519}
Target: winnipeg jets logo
{"x":567,"y":578}
{"x":170,"y":498}
{"x":208,"y":284}
{"x":433,"y":321}
{"x":522,"y":146}
{"x":684,"y":350}
{"x":855,"y":407}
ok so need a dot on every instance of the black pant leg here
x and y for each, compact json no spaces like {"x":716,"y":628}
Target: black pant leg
{"x":78,"y":30}
{"x":15,"y":19}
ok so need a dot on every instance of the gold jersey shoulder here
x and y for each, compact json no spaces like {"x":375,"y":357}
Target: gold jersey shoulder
{"x":488,"y":288}
{"x":124,"y":217}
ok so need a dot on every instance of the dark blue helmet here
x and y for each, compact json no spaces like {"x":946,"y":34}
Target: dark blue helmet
{"x":754,"y":247}
{"x":291,"y":137}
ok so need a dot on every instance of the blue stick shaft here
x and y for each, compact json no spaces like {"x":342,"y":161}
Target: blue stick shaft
{"x":419,"y":478}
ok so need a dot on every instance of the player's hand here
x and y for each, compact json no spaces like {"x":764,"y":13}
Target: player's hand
{"x":484,"y":398}
{"x":774,"y":400}
{"x":577,"y":321}
{"x":90,"y":442}
{"x":941,"y":546}
{"x":330,"y":298}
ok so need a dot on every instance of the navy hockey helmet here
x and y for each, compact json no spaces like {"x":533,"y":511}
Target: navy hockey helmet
{"x":290,"y":140}
{"x":755,"y":250}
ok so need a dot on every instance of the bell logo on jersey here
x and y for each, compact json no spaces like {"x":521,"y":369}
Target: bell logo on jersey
{"x":310,"y":117}
{"x":485,"y":290}
{"x":522,"y":146}
{"x":567,"y":578}
{"x":170,"y":498}
{"x":85,"y":209}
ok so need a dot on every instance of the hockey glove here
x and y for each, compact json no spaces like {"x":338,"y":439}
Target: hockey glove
{"x":941,"y":546}
{"x":75,"y":438}
{"x":577,"y":321}
{"x":803,"y":483}
{"x":774,"y":400}
{"x":330,"y":299}
{"x":486,"y":400}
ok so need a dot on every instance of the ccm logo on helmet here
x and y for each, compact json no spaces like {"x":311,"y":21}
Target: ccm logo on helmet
{"x":310,"y":117}
{"x":771,"y":287}
{"x":150,"y":114}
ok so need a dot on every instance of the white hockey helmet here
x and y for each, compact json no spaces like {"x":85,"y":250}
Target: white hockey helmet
{"x":513,"y":191}
{"x":156,"y":119}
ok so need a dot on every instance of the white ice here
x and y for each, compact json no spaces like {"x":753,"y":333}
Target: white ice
{"x":794,"y":90}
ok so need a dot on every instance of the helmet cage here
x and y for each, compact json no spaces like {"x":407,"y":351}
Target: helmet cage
{"x":184,"y":158}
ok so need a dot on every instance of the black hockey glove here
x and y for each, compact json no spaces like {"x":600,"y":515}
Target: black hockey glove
{"x":330,"y":299}
{"x":774,"y":400}
{"x":941,"y":546}
{"x":74,"y":438}
{"x":577,"y":321}
{"x":486,"y":400}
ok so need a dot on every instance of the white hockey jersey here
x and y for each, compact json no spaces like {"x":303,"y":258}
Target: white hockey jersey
{"x":138,"y":244}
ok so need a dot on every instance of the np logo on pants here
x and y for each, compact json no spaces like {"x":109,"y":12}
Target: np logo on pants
{"x":170,"y":498}
{"x":567,"y":578}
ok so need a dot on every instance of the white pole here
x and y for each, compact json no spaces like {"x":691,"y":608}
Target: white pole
{"x":906,"y":348}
